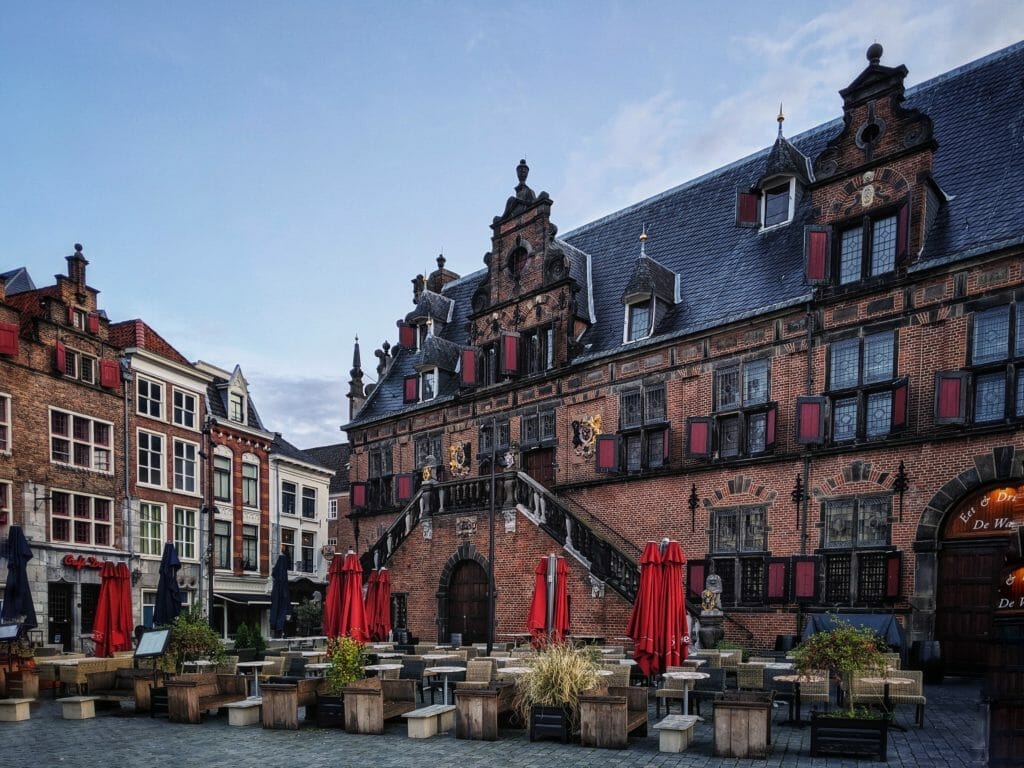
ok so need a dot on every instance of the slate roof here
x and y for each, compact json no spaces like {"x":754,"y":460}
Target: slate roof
{"x":17,"y":281}
{"x":728,"y":273}
{"x":430,"y":305}
{"x":217,"y":396}
{"x":786,"y":160}
{"x":649,"y":277}
{"x":282,"y":447}
{"x":333,"y":457}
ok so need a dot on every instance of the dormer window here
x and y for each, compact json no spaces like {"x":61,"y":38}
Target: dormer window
{"x":428,"y":385}
{"x":778,"y":204}
{"x":236,"y":407}
{"x":638,"y":320}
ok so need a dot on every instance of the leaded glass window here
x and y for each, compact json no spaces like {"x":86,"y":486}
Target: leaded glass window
{"x":991,"y":335}
{"x":871,"y":577}
{"x":844,"y":364}
{"x":755,"y":382}
{"x":879,"y":414}
{"x":630,"y":409}
{"x":990,"y":397}
{"x":878,"y":357}
{"x":727,"y":390}
{"x":844,"y":419}
{"x":729,"y":436}
{"x":757,"y":426}
{"x":883,"y":245}
{"x":851,"y":244}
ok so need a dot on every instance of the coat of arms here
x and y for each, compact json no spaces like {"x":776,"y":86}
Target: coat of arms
{"x":584,"y":435}
{"x":458,"y":459}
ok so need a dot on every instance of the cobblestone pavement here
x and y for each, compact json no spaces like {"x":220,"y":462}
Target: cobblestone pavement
{"x":952,"y":736}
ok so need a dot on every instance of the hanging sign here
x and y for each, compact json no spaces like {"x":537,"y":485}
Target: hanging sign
{"x":80,"y":562}
{"x":987,"y":513}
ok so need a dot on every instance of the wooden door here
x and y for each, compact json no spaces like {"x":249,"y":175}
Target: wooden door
{"x":963,"y":602}
{"x":467,"y":602}
{"x":58,"y":611}
{"x":540,"y":465}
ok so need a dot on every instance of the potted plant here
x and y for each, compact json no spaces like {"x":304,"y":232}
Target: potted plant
{"x":845,"y":652}
{"x":309,"y":618}
{"x":22,"y":681}
{"x":249,"y":637}
{"x":345,"y":659}
{"x":548,"y":696}
{"x":191,"y":639}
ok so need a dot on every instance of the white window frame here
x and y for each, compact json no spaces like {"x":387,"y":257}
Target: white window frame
{"x":75,"y":365}
{"x":185,"y":444}
{"x":154,"y":396}
{"x":231,"y":469}
{"x":294,"y":493}
{"x":231,"y":544}
{"x":6,"y":501}
{"x":150,"y":469}
{"x":332,"y":509}
{"x":308,"y":490}
{"x":100,"y":454}
{"x":6,"y":422}
{"x":627,"y":322}
{"x":791,"y":181}
{"x":433,"y":374}
{"x":232,"y":395}
{"x":185,"y":396}
{"x":72,"y":517}
{"x":147,"y":540}
{"x":250,"y":503}
{"x":186,"y":545}
{"x":254,"y":564}
{"x":291,"y":556}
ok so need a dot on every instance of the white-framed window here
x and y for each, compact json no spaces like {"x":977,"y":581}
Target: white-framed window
{"x":236,"y":407}
{"x":309,"y":503}
{"x":149,"y":398}
{"x":308,"y":561}
{"x":79,"y":318}
{"x":638,"y":320}
{"x":185,"y":532}
{"x":288,"y":546}
{"x":250,"y":484}
{"x":222,"y":478}
{"x":222,"y":543}
{"x":148,"y":607}
{"x":185,"y":462}
{"x":332,"y":509}
{"x":332,"y":541}
{"x":151,"y":528}
{"x":80,"y":441}
{"x":250,"y":548}
{"x":185,"y":409}
{"x":428,"y":385}
{"x":289,"y":492}
{"x":151,"y":458}
{"x":5,"y":423}
{"x":6,"y":502}
{"x":79,"y":366}
{"x":777,"y":204}
{"x":81,"y":519}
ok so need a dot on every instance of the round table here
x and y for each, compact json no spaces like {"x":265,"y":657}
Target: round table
{"x":777,"y":665}
{"x":689,"y":680}
{"x":437,"y":656}
{"x":255,"y":666}
{"x":796,"y":680}
{"x":628,"y":662}
{"x":199,"y":664}
{"x":390,"y":655}
{"x":382,"y":667}
{"x":445,"y":671}
{"x":315,"y":668}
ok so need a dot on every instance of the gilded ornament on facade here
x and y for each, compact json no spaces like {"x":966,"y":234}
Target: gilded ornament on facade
{"x":584,"y":435}
{"x":458,"y":459}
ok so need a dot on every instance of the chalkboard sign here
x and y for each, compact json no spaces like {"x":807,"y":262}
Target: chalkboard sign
{"x":152,"y":643}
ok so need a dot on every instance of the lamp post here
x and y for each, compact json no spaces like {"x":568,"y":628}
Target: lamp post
{"x":490,"y":544}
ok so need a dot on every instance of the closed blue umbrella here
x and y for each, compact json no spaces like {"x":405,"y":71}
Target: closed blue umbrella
{"x":168,"y":593}
{"x":280,"y":599}
{"x":17,"y":595}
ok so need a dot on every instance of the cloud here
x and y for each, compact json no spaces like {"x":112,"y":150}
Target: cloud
{"x":306,"y":411}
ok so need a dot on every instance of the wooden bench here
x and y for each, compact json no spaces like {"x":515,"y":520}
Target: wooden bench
{"x":124,"y":684}
{"x":369,"y":703}
{"x":675,"y":732}
{"x":477,"y":710}
{"x":429,"y":721}
{"x":281,"y":701}
{"x":607,"y":719}
{"x":14,"y":710}
{"x":245,"y":712}
{"x":188,"y":696}
{"x":78,"y":707}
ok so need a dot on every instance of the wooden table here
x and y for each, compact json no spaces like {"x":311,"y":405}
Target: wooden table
{"x":796,"y":680}
{"x":444,"y":671}
{"x":689,"y":680}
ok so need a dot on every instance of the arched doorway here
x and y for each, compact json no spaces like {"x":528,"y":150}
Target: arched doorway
{"x":467,"y":602}
{"x":973,"y":546}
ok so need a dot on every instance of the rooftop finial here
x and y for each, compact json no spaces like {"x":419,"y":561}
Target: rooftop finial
{"x":643,"y":240}
{"x":874,"y":53}
{"x":781,"y":118}
{"x":522,"y":171}
{"x":440,"y":261}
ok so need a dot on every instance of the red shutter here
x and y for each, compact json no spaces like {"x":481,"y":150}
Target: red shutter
{"x":903,"y":232}
{"x":94,"y":322}
{"x":747,"y":207}
{"x":8,"y":339}
{"x":71,"y":315}
{"x":666,"y":445}
{"x":412,"y":389}
{"x":695,"y":577}
{"x":951,"y":397}
{"x":509,"y":353}
{"x":110,"y":374}
{"x":893,"y":562}
{"x":467,"y":369}
{"x":769,"y":427}
{"x":403,"y":486}
{"x":699,"y":432}
{"x":406,"y":335}
{"x":777,"y":582}
{"x":805,"y":579}
{"x":60,"y":358}
{"x":358,"y":495}
{"x":810,"y":420}
{"x":607,"y":452}
{"x":817,"y":256}
{"x":900,"y":402}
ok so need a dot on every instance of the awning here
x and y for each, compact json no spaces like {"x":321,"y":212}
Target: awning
{"x":884,"y":624}
{"x":242,"y":598}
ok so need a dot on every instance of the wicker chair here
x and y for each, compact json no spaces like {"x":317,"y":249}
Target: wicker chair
{"x":903,"y":694}
{"x":479,"y":674}
{"x":710,"y":688}
{"x":712,"y":657}
{"x":761,"y":660}
{"x":750,"y":677}
{"x":816,"y":693}
{"x":893,"y":660}
{"x":619,"y":676}
{"x":671,"y":688}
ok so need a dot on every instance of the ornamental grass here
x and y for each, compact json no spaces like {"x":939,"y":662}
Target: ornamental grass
{"x":558,"y":674}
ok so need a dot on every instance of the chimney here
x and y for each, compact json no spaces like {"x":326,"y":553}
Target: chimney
{"x":440,"y":277}
{"x":76,"y":266}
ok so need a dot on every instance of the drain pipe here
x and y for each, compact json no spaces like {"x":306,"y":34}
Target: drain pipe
{"x":809,"y":388}
{"x":126,"y":379}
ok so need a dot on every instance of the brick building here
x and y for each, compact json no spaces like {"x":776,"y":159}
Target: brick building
{"x":803,"y":366}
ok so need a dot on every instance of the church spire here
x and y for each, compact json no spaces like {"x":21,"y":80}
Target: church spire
{"x":356,"y":393}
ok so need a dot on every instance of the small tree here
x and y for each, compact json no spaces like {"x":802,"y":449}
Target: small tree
{"x":844,"y":651}
{"x":250,"y":636}
{"x":191,"y":638}
{"x":345,"y":657}
{"x":309,"y":616}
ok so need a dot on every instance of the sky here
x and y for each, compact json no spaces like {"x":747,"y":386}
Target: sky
{"x":261,"y":181}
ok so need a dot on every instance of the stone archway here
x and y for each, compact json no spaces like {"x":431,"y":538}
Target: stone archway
{"x":1000,"y":465}
{"x":465,"y":553}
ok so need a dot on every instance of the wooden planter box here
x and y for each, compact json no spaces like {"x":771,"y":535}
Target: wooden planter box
{"x":843,"y":735}
{"x":330,"y":711}
{"x":743,"y":725}
{"x":550,"y":721}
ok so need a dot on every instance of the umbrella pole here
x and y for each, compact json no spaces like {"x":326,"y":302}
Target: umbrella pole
{"x":552,"y":575}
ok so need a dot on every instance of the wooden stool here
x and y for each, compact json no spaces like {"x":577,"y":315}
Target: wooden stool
{"x":78,"y":707}
{"x":13,"y":710}
{"x":676,"y":732}
{"x":246,"y":712}
{"x":429,"y":721}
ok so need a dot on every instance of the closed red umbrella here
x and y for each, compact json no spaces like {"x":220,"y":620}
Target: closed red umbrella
{"x":353,"y":617}
{"x":673,"y":614}
{"x":643,"y":623}
{"x":382,"y":613}
{"x":107,"y":606}
{"x":123,"y":631}
{"x":370,"y":603}
{"x":332,"y":602}
{"x":560,"y":620}
{"x":536,"y":619}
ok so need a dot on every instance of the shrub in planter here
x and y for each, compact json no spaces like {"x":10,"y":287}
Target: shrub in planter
{"x":309,"y":617}
{"x":346,"y":659}
{"x":250,"y":636}
{"x":191,"y":638}
{"x":548,"y":696}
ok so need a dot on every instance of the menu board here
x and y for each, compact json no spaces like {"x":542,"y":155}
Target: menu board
{"x":153,"y":643}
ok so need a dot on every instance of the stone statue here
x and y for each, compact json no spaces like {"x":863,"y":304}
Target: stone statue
{"x":711,"y":597}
